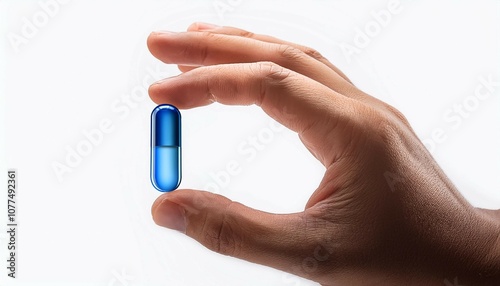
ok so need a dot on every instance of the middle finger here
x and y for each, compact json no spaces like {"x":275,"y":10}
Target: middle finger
{"x":205,"y":48}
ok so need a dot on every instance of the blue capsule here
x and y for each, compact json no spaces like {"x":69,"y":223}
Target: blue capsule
{"x":165,"y":148}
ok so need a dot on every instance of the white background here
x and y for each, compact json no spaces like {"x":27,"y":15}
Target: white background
{"x":79,"y":64}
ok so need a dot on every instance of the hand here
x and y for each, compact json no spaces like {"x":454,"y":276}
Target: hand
{"x":384,"y":213}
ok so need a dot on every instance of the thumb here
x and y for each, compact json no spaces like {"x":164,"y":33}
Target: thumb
{"x":281,"y":241}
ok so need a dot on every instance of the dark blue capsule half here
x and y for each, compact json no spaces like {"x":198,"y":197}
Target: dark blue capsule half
{"x":165,"y":148}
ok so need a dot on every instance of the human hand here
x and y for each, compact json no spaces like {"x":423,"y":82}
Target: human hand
{"x":384,"y":213}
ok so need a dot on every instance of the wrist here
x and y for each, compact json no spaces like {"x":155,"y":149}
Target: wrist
{"x":469,"y":251}
{"x":491,"y":219}
{"x":484,"y":257}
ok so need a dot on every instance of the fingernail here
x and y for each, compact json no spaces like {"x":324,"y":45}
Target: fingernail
{"x":164,"y":32}
{"x":200,"y":26}
{"x":170,"y":215}
{"x":164,"y":80}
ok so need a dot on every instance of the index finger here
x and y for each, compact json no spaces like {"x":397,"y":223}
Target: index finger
{"x":316,"y":112}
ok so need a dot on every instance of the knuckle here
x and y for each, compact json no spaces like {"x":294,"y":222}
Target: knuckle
{"x":289,"y":52}
{"x":220,"y":235}
{"x":313,"y":53}
{"x":204,"y":48}
{"x":270,"y":74}
{"x":271,"y":71}
{"x":203,"y":55}
{"x":383,"y":119}
{"x":397,"y":114}
{"x":247,"y":34}
{"x":207,"y":34}
{"x":387,"y":127}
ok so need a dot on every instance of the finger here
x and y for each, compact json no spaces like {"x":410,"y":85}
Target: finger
{"x":316,"y":112}
{"x":198,"y":26}
{"x":230,"y":228}
{"x":205,"y":48}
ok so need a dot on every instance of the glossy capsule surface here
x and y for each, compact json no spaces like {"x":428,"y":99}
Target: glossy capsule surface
{"x":165,"y":148}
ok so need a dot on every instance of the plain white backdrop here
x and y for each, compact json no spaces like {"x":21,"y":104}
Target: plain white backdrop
{"x":72,"y":67}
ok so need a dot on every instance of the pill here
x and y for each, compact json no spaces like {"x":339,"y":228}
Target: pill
{"x":165,"y":148}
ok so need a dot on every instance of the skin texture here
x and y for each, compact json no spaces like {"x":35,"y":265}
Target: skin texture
{"x":384,"y":213}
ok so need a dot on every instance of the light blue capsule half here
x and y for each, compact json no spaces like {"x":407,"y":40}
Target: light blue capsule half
{"x":165,"y":148}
